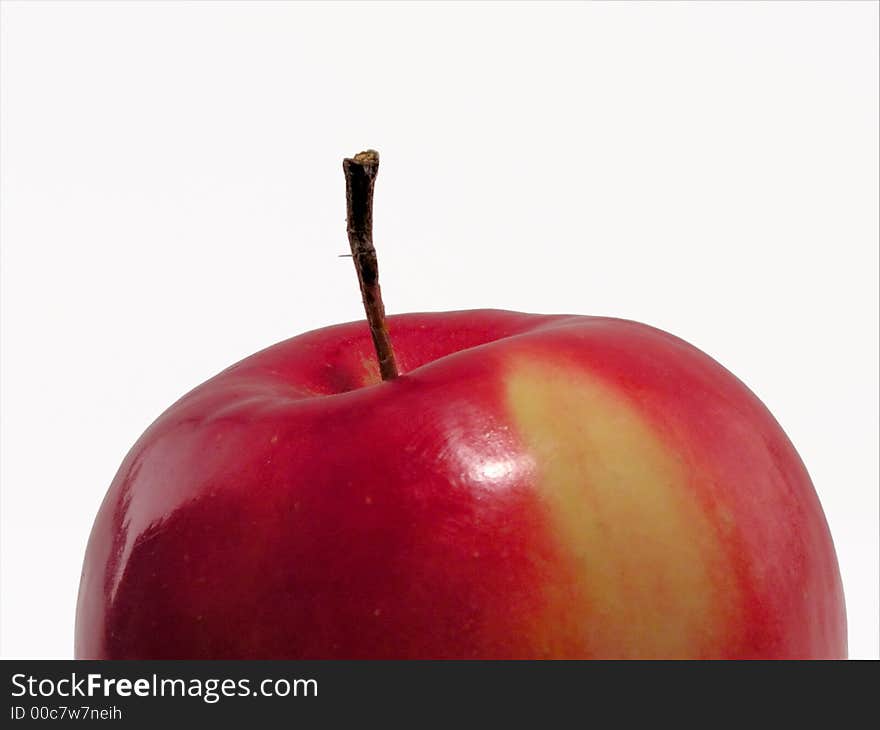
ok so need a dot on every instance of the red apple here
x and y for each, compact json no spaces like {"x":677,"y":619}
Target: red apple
{"x":531,"y":486}
{"x":496,"y":485}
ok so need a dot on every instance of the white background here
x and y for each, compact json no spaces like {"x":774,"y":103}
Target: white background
{"x":172,"y":201}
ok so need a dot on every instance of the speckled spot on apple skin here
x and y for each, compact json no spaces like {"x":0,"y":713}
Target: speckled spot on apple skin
{"x":370,"y":366}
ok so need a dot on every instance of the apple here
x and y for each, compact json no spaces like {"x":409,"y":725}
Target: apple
{"x":515,"y":486}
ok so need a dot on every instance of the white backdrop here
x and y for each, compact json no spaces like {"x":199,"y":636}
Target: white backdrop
{"x":172,"y":201}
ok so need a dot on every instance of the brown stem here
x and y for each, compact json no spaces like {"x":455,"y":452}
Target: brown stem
{"x":360,"y":177}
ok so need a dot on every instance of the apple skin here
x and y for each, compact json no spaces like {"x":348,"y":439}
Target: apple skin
{"x":532,"y":486}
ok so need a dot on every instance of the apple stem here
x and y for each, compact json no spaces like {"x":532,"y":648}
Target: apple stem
{"x":360,"y":178}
